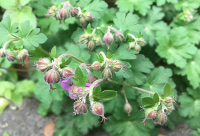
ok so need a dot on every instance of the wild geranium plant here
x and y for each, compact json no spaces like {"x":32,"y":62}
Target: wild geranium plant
{"x":118,"y":63}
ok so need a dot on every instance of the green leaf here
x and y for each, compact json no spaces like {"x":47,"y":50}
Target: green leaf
{"x":6,"y":28}
{"x":162,"y":2}
{"x":53,"y":52}
{"x":156,"y":97}
{"x":175,"y":47}
{"x":6,"y":86}
{"x":168,"y":91}
{"x":8,"y":4}
{"x":6,"y":133}
{"x":80,"y":79}
{"x":148,"y":102}
{"x":105,"y":95}
{"x":17,"y":98}
{"x":127,"y":22}
{"x":3,"y":104}
{"x":25,"y":88}
{"x":142,"y":6}
{"x":57,"y":107}
{"x":19,"y":16}
{"x":65,"y":62}
{"x":123,"y":53}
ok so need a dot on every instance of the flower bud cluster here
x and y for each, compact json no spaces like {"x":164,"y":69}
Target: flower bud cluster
{"x":137,"y":44}
{"x":160,"y":115}
{"x":65,"y":10}
{"x":20,"y":55}
{"x":90,"y":40}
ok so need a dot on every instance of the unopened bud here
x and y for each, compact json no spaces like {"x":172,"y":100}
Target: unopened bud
{"x":74,"y":12}
{"x":168,"y":99}
{"x":108,"y":38}
{"x":91,"y":79}
{"x":132,"y":45}
{"x":116,"y":65}
{"x":118,"y":36}
{"x":128,"y":108}
{"x":91,"y":44}
{"x":52,"y":77}
{"x":11,"y":56}
{"x":137,"y":48}
{"x":170,"y":107}
{"x":52,"y":11}
{"x":82,"y":21}
{"x":96,"y":66}
{"x":161,"y":118}
{"x":57,"y":16}
{"x":98,"y":40}
{"x":43,"y":64}
{"x":22,"y":55}
{"x":151,"y":115}
{"x":140,"y":41}
{"x":88,"y":16}
{"x":107,"y":73}
{"x":76,"y":92}
{"x":2,"y":53}
{"x":98,"y":109}
{"x":67,"y":72}
{"x":80,"y":107}
{"x":63,"y":13}
{"x":84,"y":38}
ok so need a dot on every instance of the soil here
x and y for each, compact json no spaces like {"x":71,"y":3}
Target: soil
{"x":25,"y":121}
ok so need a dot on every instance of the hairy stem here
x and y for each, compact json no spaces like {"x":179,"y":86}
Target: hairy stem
{"x":134,"y":87}
{"x":42,"y":50}
{"x":69,"y":55}
{"x":7,"y":43}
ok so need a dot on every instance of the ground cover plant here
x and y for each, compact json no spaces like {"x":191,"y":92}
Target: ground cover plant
{"x":127,"y":68}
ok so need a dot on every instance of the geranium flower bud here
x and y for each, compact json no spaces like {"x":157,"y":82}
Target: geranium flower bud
{"x":67,"y":72}
{"x":140,"y":41}
{"x":82,"y":21}
{"x":170,"y":107}
{"x":91,"y":79}
{"x":76,"y":92}
{"x":2,"y":53}
{"x":80,"y":107}
{"x":128,"y":108}
{"x":98,"y":40}
{"x":11,"y":56}
{"x":52,"y":11}
{"x":98,"y":109}
{"x":132,"y":45}
{"x":116,"y":65}
{"x":88,"y":16}
{"x":137,"y":48}
{"x":22,"y":55}
{"x":84,"y":38}
{"x":168,"y":99}
{"x":91,"y":44}
{"x":107,"y":73}
{"x":161,"y":118}
{"x":118,"y":36}
{"x":108,"y":38}
{"x":151,"y":115}
{"x":63,"y":13}
{"x":42,"y":64}
{"x":57,"y":16}
{"x":52,"y":77}
{"x":96,"y":66}
{"x":74,"y":12}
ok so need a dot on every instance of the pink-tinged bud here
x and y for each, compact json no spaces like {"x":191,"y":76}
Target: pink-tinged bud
{"x":96,"y":66}
{"x":22,"y":55}
{"x":91,"y":44}
{"x":63,"y":13}
{"x":98,"y":109}
{"x":140,"y":41}
{"x":107,"y":73}
{"x":57,"y":16}
{"x":80,"y":107}
{"x":151,"y":115}
{"x":118,"y":36}
{"x":74,"y":12}
{"x":43,"y":64}
{"x":11,"y":56}
{"x":131,"y":45}
{"x":110,"y":61}
{"x":84,"y":38}
{"x":116,"y":65}
{"x":168,"y":99}
{"x":76,"y":92}
{"x":137,"y":48}
{"x":52,"y":77}
{"x":91,"y":79}
{"x":161,"y":118}
{"x":108,"y":38}
{"x":88,"y":16}
{"x":128,"y":108}
{"x":52,"y":11}
{"x":67,"y":72}
{"x":82,"y":21}
{"x":2,"y":53}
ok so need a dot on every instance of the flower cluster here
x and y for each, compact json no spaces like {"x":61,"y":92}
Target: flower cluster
{"x":20,"y":55}
{"x":65,"y":10}
{"x":159,"y":115}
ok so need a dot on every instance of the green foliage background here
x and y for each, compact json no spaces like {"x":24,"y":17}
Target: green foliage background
{"x":171,"y":54}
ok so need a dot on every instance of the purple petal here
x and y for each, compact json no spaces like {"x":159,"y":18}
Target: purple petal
{"x":65,"y":86}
